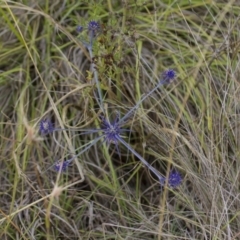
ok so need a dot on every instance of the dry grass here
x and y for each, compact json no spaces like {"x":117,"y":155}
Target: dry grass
{"x":192,"y":124}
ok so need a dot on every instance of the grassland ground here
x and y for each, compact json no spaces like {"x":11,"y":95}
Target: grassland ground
{"x":192,"y":124}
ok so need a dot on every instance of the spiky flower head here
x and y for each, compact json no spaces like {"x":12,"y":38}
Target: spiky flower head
{"x":169,"y":75}
{"x":93,"y":26}
{"x":111,"y":131}
{"x":79,"y":28}
{"x":61,"y":166}
{"x":46,"y":126}
{"x":174,"y":179}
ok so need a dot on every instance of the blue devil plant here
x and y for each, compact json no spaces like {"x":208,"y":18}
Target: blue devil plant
{"x":111,"y":132}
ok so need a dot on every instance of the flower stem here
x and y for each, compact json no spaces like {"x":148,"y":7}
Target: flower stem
{"x":150,"y":167}
{"x":96,"y":80}
{"x":139,"y":102}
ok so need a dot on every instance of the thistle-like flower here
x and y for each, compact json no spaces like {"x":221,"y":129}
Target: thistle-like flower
{"x":46,"y":126}
{"x":174,"y":179}
{"x":79,"y":29}
{"x":111,"y":131}
{"x":61,"y":166}
{"x":94,"y":27}
{"x":168,"y":76}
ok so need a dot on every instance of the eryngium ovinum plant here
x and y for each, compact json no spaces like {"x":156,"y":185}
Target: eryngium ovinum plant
{"x":111,"y":131}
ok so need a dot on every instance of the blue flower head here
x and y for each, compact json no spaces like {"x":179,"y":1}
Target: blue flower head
{"x":174,"y":179}
{"x":111,"y":131}
{"x":169,"y":75}
{"x":46,"y":126}
{"x":61,"y":166}
{"x":93,"y":26}
{"x":79,"y":28}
